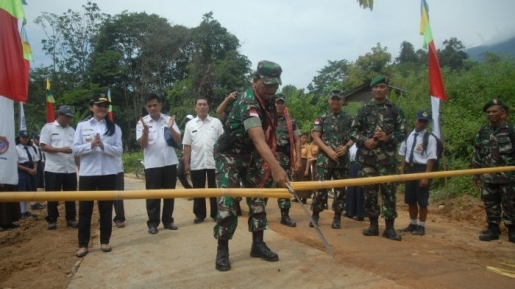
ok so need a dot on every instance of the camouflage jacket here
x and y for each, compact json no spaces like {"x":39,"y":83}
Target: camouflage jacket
{"x":246,"y":113}
{"x":334,"y":131}
{"x":283,"y":137}
{"x":370,"y":118}
{"x":495,"y":147}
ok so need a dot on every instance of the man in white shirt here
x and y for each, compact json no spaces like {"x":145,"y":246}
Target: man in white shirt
{"x":160,"y":159}
{"x":56,"y":140}
{"x":200,"y":136}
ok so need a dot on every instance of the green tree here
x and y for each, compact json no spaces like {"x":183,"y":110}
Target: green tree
{"x":453,"y":54}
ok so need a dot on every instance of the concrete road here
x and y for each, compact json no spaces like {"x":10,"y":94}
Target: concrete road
{"x":186,"y":258}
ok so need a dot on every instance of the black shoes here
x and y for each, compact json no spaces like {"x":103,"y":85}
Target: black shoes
{"x":152,"y":230}
{"x":285,"y":218}
{"x":389,"y":232}
{"x":410,"y":228}
{"x":337,"y":222}
{"x":420,"y":231}
{"x":222,"y":256}
{"x":373,"y":229}
{"x":261,"y":250}
{"x":492,"y":233}
{"x":171,"y":226}
{"x":315,"y":218}
{"x":71,"y":223}
{"x":52,"y":226}
{"x":198,"y":220}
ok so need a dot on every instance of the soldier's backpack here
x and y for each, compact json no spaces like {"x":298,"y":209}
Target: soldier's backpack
{"x":439,"y":148}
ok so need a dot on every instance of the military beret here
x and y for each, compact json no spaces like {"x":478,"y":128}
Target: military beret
{"x":269,"y":72}
{"x":379,"y":79}
{"x":493,"y":102}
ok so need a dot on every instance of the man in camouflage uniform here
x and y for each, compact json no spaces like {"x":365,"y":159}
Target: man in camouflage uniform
{"x":288,"y":151}
{"x":243,"y":152}
{"x":331,"y":134}
{"x":379,"y":126}
{"x":494,"y":146}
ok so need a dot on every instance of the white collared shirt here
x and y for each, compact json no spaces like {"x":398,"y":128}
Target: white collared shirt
{"x":23,"y":156}
{"x":157,"y":153}
{"x":96,"y":161}
{"x":202,"y":136}
{"x":53,"y":134}
{"x":419,"y":156}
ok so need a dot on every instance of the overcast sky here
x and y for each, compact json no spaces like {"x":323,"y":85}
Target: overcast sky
{"x":303,"y":35}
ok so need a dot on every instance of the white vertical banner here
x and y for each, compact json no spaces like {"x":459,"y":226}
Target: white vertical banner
{"x":23,"y":122}
{"x":435,"y":107}
{"x":8,"y":154}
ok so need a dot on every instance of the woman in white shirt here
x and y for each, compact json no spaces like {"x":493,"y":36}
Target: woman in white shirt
{"x":98,"y":142}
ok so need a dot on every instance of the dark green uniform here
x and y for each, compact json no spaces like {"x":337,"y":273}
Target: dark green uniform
{"x":382,"y":160}
{"x":237,"y":159}
{"x":495,"y":147}
{"x":334,"y":131}
{"x":284,"y":151}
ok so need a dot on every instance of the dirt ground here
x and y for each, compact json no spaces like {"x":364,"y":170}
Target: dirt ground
{"x":448,"y":256}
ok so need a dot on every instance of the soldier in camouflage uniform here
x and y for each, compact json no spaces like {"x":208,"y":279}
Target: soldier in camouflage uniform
{"x":240,"y":154}
{"x":494,"y":146}
{"x":288,"y":151}
{"x":379,"y":126}
{"x":331,"y":134}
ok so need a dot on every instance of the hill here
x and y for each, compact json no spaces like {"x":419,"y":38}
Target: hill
{"x":506,"y":47}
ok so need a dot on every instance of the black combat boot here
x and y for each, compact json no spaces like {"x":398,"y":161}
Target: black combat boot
{"x":260,"y":250}
{"x":389,"y":232}
{"x":337,"y":220}
{"x":373,"y":230}
{"x":492,"y":233}
{"x":222,"y":256}
{"x":511,"y":233}
{"x":315,"y":218}
{"x":285,"y":218}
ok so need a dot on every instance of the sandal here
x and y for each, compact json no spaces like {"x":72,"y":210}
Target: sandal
{"x":82,"y":252}
{"x":105,"y":248}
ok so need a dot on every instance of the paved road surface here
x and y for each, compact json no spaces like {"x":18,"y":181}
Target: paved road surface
{"x":186,"y":258}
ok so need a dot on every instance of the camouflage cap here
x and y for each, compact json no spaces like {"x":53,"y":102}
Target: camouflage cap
{"x":379,"y":79}
{"x":269,"y":72}
{"x":424,"y":114}
{"x":99,"y":98}
{"x":336,"y":93}
{"x":280,"y":96}
{"x":493,"y":102}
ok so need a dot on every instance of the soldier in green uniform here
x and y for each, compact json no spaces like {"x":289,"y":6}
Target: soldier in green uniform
{"x":331,"y":134}
{"x":243,"y":152}
{"x":288,"y":151}
{"x":379,"y":126}
{"x":494,"y":146}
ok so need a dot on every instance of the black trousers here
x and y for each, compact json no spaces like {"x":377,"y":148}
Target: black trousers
{"x":119,"y":210}
{"x":198,"y":178}
{"x":105,"y":208}
{"x":60,"y":182}
{"x":160,"y":178}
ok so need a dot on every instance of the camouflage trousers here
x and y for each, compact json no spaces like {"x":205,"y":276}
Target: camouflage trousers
{"x":499,"y":199}
{"x":230,"y":170}
{"x":387,"y":192}
{"x":284,"y":161}
{"x":320,"y":196}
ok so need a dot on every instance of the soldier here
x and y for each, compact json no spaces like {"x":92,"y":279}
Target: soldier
{"x":331,"y":134}
{"x":288,"y":151}
{"x":241,"y":153}
{"x":494,"y":146}
{"x":377,"y":129}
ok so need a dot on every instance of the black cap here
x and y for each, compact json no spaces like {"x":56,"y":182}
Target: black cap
{"x":99,"y":98}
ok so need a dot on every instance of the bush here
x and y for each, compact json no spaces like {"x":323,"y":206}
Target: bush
{"x":131,"y":160}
